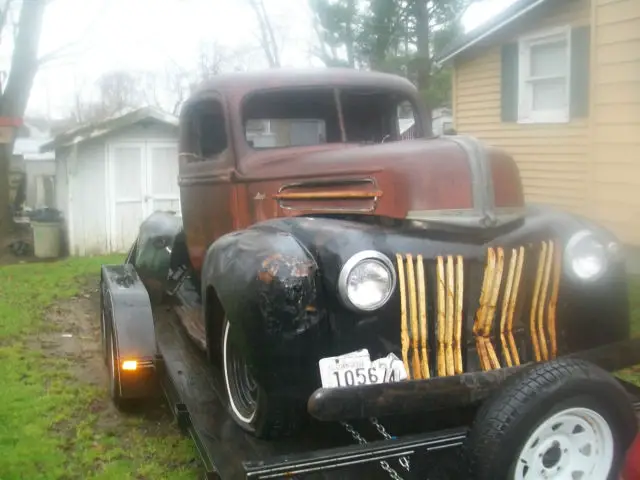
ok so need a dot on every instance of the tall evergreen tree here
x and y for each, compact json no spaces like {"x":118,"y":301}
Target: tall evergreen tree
{"x":398,"y":36}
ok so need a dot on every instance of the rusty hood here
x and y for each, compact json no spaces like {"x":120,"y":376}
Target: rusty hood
{"x":454,"y":179}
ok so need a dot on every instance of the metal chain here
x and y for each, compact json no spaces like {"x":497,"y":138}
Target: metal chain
{"x":383,"y":464}
{"x":392,"y":473}
{"x":404,"y":461}
{"x":356,"y":436}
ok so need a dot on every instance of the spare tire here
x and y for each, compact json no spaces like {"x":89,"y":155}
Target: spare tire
{"x":565,"y":419}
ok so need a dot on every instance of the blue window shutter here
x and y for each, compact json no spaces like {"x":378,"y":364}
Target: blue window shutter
{"x":580,"y":71}
{"x":509,"y":82}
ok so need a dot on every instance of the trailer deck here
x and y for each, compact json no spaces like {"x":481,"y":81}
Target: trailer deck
{"x":156,"y":340}
{"x":195,"y":392}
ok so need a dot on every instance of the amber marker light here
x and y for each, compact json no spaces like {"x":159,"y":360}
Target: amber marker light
{"x":129,"y":365}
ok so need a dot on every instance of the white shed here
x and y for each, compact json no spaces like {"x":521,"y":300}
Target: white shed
{"x":111,"y":175}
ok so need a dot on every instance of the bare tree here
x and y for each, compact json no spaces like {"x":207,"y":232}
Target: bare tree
{"x":66,"y":53}
{"x":213,"y":59}
{"x":177,"y":81}
{"x":119,"y":90}
{"x":267,"y":38}
{"x":115,"y":92}
{"x":79,"y":112}
{"x":26,"y":30}
{"x":14,"y":99}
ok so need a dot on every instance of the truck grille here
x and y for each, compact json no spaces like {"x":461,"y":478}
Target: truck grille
{"x":459,"y":315}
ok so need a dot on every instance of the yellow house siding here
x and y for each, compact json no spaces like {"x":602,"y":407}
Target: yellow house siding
{"x":616,"y":117}
{"x":553,"y":159}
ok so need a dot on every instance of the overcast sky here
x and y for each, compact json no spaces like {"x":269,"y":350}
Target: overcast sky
{"x":145,"y":34}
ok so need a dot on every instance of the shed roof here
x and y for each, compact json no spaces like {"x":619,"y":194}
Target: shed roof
{"x":104,"y":127}
{"x":490,"y":27}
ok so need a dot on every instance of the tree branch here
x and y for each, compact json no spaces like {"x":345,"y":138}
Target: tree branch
{"x":4,"y":15}
{"x":67,"y":49}
{"x":267,"y":38}
{"x":24,"y":61}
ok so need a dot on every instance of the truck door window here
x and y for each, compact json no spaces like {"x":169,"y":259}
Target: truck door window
{"x":206,"y":130}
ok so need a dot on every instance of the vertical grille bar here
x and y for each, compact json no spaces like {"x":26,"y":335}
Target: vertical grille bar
{"x":457,"y":346}
{"x":512,"y":306}
{"x":449,"y":317}
{"x":553,"y":303}
{"x":487,"y":309}
{"x":534,"y":303}
{"x":404,"y":328}
{"x":441,"y":328}
{"x":422,"y":304}
{"x":481,"y":313}
{"x":491,"y":310}
{"x":506,"y":301}
{"x":413,"y":308}
{"x":542,"y":301}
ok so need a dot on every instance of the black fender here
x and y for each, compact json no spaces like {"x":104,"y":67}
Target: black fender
{"x":266,"y":282}
{"x":128,"y":318}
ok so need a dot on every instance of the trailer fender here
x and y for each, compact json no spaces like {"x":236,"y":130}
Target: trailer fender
{"x":128,"y":333}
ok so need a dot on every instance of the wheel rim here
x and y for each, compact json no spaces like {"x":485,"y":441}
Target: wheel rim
{"x":241,"y":386}
{"x":574,"y":444}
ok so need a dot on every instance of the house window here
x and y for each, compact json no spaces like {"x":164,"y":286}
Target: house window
{"x":544,"y":86}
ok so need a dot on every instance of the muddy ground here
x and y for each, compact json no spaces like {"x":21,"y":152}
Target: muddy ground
{"x":77,"y":339}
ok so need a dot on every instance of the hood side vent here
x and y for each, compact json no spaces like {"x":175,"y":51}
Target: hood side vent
{"x":347,"y":195}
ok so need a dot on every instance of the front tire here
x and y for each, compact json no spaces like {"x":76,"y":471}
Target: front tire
{"x":564,"y":419}
{"x":253,"y":409}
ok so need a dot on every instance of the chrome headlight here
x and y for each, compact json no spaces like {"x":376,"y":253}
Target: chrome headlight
{"x":367,"y":281}
{"x":585,"y":256}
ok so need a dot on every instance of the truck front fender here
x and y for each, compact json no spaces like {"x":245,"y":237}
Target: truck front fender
{"x":266,"y":282}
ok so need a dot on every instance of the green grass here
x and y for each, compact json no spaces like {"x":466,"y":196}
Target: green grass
{"x":633,"y":374}
{"x":52,"y":424}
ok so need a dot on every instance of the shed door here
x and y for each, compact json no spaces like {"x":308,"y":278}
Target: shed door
{"x":144,"y":179}
{"x":162,"y":177}
{"x":128,"y":185}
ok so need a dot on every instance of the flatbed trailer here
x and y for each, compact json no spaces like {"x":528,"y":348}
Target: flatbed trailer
{"x":194,"y":389}
{"x":195,"y":393}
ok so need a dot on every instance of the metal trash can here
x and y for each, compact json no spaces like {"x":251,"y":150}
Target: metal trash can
{"x":47,"y":239}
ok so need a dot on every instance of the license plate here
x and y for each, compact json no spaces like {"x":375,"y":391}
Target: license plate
{"x":356,"y":368}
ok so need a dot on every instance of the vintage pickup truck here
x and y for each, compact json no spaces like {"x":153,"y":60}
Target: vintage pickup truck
{"x":339,"y":270}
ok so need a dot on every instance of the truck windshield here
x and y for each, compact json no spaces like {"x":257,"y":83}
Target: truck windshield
{"x":279,"y":119}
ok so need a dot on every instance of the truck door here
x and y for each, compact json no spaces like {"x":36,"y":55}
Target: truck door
{"x":206,"y":164}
